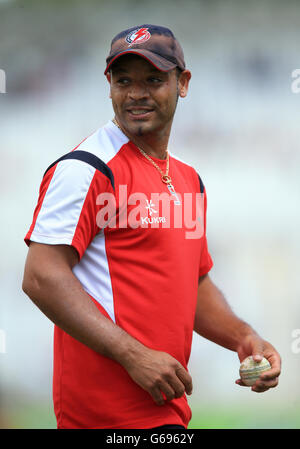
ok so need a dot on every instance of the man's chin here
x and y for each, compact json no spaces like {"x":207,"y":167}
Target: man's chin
{"x":140,"y":128}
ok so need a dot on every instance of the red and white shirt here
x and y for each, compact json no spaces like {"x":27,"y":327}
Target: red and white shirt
{"x":140,"y":264}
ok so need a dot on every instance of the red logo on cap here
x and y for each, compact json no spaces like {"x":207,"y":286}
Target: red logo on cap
{"x":138,"y":36}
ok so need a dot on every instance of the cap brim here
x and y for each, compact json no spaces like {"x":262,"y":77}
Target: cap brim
{"x":156,"y":60}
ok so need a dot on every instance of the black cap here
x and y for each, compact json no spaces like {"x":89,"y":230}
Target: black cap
{"x":154,"y":43}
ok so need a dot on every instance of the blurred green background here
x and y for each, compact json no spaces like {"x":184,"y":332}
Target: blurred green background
{"x":239,"y":127}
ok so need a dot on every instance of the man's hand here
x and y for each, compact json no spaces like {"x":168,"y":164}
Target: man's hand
{"x":258,"y":348}
{"x":216,"y":321}
{"x":159,"y":373}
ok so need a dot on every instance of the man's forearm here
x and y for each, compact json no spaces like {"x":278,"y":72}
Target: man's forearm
{"x":52,"y":286}
{"x":215,"y":319}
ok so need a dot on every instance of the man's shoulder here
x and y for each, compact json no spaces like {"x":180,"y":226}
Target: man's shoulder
{"x":94,"y":152}
{"x":104,"y":143}
{"x":189,"y":169}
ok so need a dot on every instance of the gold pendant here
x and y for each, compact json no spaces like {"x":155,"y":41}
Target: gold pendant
{"x":166,"y":179}
{"x":173,"y":192}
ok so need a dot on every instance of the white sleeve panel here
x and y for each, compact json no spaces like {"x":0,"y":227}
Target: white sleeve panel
{"x":58,"y":217}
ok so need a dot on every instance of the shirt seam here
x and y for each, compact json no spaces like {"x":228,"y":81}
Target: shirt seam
{"x":51,"y":236}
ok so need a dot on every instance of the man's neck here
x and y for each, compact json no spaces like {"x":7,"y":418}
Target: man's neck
{"x":155,"y":145}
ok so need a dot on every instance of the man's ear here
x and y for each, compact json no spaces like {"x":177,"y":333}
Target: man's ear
{"x":108,"y":77}
{"x":183,"y":83}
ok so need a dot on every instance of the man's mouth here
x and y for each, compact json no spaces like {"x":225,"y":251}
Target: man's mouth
{"x":139,"y":112}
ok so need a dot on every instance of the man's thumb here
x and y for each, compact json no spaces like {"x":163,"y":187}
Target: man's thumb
{"x":257,"y":352}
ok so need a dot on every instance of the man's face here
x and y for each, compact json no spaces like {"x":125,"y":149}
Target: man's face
{"x":144,"y":98}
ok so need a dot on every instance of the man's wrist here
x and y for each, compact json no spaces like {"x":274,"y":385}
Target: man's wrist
{"x":245,"y":331}
{"x":128,"y":351}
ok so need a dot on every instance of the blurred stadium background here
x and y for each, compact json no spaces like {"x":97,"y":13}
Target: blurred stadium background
{"x":239,"y":127}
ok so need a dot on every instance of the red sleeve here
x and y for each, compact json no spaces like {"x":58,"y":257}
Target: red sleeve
{"x":206,"y":262}
{"x":99,"y":195}
{"x":68,"y":205}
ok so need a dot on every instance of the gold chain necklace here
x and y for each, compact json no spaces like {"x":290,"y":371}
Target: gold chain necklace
{"x":164,"y":177}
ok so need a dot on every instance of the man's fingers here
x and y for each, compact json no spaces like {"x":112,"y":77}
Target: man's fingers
{"x":275,"y":369}
{"x":172,"y":388}
{"x":166,"y":380}
{"x":258,"y":351}
{"x":168,"y":391}
{"x":270,"y":374}
{"x":157,"y":396}
{"x":177,"y":386}
{"x":185,"y":378}
{"x":267,"y":383}
{"x":241,"y":383}
{"x":260,"y":385}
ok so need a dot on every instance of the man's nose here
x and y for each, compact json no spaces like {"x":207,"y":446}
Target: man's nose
{"x":138,"y":91}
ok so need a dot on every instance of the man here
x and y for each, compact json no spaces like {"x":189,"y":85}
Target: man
{"x":117,"y":266}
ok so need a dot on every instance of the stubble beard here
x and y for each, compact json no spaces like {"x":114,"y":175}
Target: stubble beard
{"x":143,"y":129}
{"x":140,"y":132}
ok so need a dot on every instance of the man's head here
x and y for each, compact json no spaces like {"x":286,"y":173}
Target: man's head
{"x":146,"y":72}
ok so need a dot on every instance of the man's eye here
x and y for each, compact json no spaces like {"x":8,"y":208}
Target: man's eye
{"x":154,"y":80}
{"x":123,"y":81}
